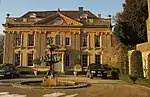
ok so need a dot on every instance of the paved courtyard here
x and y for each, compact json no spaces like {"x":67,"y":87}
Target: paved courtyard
{"x":98,"y":88}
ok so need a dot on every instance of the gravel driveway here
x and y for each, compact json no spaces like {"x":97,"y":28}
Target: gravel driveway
{"x":98,"y":88}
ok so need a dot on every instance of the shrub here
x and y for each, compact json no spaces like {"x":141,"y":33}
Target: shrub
{"x":136,"y":64}
{"x":77,"y":68}
{"x":37,"y":61}
{"x":115,"y":75}
{"x":139,"y":81}
{"x":133,"y":78}
{"x":25,"y":70}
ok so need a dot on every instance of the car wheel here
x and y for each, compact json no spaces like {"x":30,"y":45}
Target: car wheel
{"x":91,"y":77}
{"x":12,"y":76}
{"x":104,"y":75}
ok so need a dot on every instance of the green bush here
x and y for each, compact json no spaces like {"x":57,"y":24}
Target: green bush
{"x":25,"y":70}
{"x":77,"y":68}
{"x":136,"y":64}
{"x":139,"y":81}
{"x":133,"y":78}
{"x":37,"y":61}
{"x":69,"y":73}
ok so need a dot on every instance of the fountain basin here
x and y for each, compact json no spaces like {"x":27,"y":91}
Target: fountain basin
{"x":61,"y":85}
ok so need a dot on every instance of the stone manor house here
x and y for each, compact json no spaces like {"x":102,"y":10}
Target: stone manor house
{"x":76,"y":32}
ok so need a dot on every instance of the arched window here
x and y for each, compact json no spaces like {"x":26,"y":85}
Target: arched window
{"x":57,"y":40}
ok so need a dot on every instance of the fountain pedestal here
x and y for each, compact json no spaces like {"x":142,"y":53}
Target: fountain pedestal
{"x":50,"y":82}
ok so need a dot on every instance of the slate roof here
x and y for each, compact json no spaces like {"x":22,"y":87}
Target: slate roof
{"x":71,"y":14}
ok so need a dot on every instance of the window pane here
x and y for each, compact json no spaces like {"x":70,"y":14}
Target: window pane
{"x":31,"y":40}
{"x":84,"y":40}
{"x":97,"y":59}
{"x":67,"y":59}
{"x":18,"y":39}
{"x":84,"y":60}
{"x":97,"y":41}
{"x":30,"y":59}
{"x":57,"y":39}
{"x":67,"y":41}
{"x":17,"y":59}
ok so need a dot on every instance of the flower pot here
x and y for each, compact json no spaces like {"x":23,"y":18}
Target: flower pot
{"x":75,"y":73}
{"x":35,"y":72}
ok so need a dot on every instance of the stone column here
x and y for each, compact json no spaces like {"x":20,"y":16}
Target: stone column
{"x":21,"y":58}
{"x":10,"y":48}
{"x":148,"y":8}
{"x":101,"y":40}
{"x":78,"y":41}
{"x":92,"y":40}
{"x":148,"y":22}
{"x":63,"y":39}
{"x":37,"y":44}
{"x":73,"y":40}
{"x":102,"y":57}
{"x":62,"y":62}
{"x":42,"y":44}
{"x":5,"y":55}
{"x":88,"y":40}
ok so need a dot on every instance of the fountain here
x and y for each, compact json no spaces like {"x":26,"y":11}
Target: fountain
{"x":50,"y":81}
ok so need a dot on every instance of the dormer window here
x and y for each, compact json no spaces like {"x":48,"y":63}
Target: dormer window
{"x":32,"y":15}
{"x":83,"y":18}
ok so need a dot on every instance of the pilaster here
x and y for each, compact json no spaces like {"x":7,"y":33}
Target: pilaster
{"x":73,"y":40}
{"x":101,"y":40}
{"x":62,"y":60}
{"x":42,"y":44}
{"x":78,"y":41}
{"x":5,"y":56}
{"x":37,"y":44}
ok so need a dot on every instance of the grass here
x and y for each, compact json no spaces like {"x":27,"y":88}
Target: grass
{"x":139,"y":81}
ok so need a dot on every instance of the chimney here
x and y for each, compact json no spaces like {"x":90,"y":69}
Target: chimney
{"x":99,"y":15}
{"x":80,"y":8}
{"x":7,"y":15}
{"x":109,"y":16}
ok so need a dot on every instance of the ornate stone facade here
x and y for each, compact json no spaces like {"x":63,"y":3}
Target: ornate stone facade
{"x":77,"y":33}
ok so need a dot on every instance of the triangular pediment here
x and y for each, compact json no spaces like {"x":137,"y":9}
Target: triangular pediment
{"x":58,"y":19}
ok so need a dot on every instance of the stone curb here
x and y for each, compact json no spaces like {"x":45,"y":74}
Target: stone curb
{"x":20,"y":85}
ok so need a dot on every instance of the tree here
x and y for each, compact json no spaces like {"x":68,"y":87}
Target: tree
{"x":130,"y":24}
{"x":123,"y":58}
{"x":1,"y":48}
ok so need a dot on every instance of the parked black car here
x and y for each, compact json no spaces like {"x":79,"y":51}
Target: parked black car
{"x":8,"y":71}
{"x":25,"y":70}
{"x":98,"y":69}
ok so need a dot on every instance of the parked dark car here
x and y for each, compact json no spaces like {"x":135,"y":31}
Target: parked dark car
{"x":8,"y":71}
{"x":95,"y":70}
{"x":25,"y":70}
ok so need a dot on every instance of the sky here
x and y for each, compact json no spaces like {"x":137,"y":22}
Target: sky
{"x":17,"y":8}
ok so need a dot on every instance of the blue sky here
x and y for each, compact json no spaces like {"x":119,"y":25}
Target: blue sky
{"x":19,"y":7}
